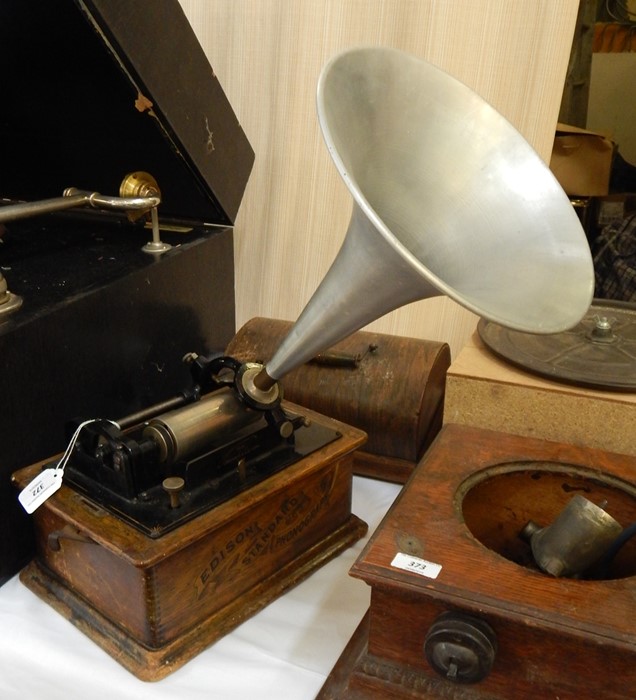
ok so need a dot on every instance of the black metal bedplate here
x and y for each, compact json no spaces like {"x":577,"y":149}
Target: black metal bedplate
{"x":210,"y":479}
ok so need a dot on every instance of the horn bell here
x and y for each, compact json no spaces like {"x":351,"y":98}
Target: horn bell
{"x":448,"y":198}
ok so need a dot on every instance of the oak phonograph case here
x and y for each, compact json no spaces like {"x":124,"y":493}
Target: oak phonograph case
{"x":204,"y":505}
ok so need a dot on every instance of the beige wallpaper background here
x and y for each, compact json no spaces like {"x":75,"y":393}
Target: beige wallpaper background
{"x":268,"y":55}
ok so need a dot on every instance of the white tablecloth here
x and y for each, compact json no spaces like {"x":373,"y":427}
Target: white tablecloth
{"x":285,"y":651}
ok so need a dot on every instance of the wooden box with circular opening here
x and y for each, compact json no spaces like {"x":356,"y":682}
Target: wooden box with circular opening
{"x":458,"y":607}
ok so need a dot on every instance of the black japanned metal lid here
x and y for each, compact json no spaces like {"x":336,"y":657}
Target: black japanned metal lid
{"x":94,"y":89}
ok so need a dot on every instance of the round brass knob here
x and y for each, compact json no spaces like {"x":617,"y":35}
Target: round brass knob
{"x":173,"y":485}
{"x":139,"y":184}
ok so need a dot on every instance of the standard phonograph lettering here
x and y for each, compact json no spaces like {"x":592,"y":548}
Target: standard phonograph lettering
{"x":295,"y":514}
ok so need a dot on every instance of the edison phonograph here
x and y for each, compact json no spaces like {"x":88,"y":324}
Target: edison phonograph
{"x":203,"y":508}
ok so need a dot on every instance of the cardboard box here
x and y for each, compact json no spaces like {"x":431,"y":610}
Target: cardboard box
{"x":581,"y":161}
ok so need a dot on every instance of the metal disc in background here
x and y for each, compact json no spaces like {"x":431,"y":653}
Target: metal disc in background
{"x":599,"y":352}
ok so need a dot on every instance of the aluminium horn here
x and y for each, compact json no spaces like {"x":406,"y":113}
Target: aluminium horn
{"x":448,"y":198}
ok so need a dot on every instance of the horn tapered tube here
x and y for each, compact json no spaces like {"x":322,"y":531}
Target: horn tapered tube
{"x":263,"y":381}
{"x":448,"y":199}
{"x":366,"y":280}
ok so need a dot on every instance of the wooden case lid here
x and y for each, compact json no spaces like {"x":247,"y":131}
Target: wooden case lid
{"x":389,"y":386}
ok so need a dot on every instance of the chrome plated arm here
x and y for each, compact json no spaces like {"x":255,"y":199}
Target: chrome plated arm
{"x":77,"y":198}
{"x":140,"y":195}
